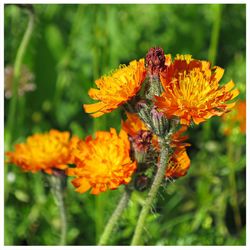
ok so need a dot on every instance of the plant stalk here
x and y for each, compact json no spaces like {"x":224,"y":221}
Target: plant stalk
{"x":11,"y":119}
{"x":152,"y":193}
{"x":17,"y":70}
{"x":233,"y":186}
{"x":114,"y":218}
{"x":58,"y":182}
{"x":215,"y":34}
{"x":63,"y":219}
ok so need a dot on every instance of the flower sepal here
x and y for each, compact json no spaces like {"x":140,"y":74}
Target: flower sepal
{"x":155,"y":120}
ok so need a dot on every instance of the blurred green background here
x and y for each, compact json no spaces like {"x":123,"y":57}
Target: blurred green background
{"x":70,"y":47}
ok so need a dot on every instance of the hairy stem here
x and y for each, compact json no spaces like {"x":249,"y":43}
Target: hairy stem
{"x":114,"y":218}
{"x":57,"y":182}
{"x":63,"y":219}
{"x":151,"y":195}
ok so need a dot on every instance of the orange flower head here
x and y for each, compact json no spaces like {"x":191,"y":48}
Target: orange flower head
{"x":178,"y":164}
{"x":192,"y":91}
{"x":178,"y":140}
{"x":179,"y":161}
{"x":137,"y":130}
{"x":117,"y":88}
{"x":42,"y":152}
{"x":102,"y":162}
{"x":236,"y":117}
{"x":133,"y":124}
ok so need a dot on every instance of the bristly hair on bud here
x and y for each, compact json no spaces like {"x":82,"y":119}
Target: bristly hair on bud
{"x":155,"y":61}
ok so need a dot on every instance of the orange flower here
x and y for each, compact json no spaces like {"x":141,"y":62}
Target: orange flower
{"x":102,"y":162}
{"x":192,"y":91}
{"x":236,"y":116}
{"x":42,"y":152}
{"x":178,"y":164}
{"x":178,"y":139}
{"x":117,"y":88}
{"x":133,"y":124}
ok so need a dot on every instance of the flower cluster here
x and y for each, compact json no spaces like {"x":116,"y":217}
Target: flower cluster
{"x":162,"y":98}
{"x":178,"y":163}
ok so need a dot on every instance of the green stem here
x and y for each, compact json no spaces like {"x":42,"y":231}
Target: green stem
{"x":17,"y":69}
{"x":233,"y":186}
{"x":58,"y":182}
{"x":11,"y":120}
{"x":152,"y":194}
{"x":212,"y":53}
{"x":61,"y":206}
{"x":99,"y":215}
{"x":114,"y":218}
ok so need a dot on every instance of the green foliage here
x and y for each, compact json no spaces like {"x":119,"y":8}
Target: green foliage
{"x":71,"y":46}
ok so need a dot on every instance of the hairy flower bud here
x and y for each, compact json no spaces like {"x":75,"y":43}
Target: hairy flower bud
{"x":155,"y":120}
{"x":142,"y":182}
{"x":160,"y":123}
{"x":155,"y":61}
{"x":142,"y":141}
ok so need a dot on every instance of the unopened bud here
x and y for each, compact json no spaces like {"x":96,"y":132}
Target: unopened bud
{"x":155,"y":61}
{"x":142,"y":182}
{"x":160,"y":123}
{"x":156,"y":121}
{"x":142,"y":141}
{"x":144,"y":110}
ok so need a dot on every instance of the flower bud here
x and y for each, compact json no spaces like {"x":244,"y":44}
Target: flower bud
{"x":153,"y":87}
{"x":142,"y":182}
{"x":142,"y":141}
{"x":155,"y":61}
{"x":155,"y":120}
{"x":160,"y":123}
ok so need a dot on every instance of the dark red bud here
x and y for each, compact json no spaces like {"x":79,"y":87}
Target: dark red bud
{"x":155,"y":61}
{"x":142,"y":182}
{"x":142,"y":141}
